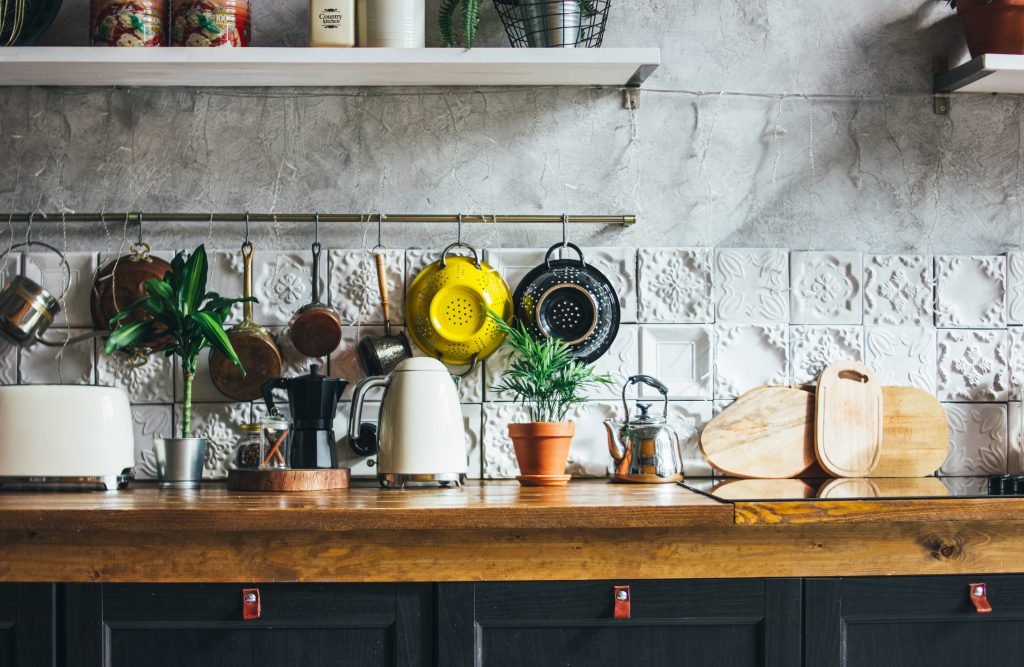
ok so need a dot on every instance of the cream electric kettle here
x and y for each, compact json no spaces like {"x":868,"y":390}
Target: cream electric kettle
{"x":420,"y":437}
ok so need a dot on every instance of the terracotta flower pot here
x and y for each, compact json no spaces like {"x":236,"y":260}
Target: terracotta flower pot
{"x":992,"y":26}
{"x":542,"y":448}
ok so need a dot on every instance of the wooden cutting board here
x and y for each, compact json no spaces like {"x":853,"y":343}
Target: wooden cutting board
{"x":767,"y":433}
{"x":848,"y":420}
{"x":915,"y":439}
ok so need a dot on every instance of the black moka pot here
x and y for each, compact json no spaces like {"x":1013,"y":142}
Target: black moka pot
{"x":312,"y":402}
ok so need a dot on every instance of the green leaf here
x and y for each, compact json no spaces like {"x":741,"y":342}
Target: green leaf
{"x":129,"y":336}
{"x":194,"y":283}
{"x":128,"y":311}
{"x":213,"y":332}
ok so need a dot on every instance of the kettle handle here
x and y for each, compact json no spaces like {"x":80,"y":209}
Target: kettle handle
{"x":356,"y":414}
{"x":648,"y":380}
{"x":268,"y":391}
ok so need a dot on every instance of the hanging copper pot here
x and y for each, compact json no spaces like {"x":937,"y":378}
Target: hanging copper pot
{"x":122,"y":282}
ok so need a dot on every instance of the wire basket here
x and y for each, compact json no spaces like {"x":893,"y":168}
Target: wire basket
{"x":554,"y":23}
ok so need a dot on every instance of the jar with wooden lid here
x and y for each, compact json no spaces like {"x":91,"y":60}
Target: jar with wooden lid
{"x":204,"y":23}
{"x":120,"y":23}
{"x":332,"y":23}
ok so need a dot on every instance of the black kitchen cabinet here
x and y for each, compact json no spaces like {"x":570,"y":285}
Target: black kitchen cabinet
{"x":117,"y":625}
{"x":728,"y":622}
{"x":27,"y":625}
{"x":913,"y":621}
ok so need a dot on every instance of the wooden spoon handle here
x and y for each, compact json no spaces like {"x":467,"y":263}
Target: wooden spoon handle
{"x":382,"y":283}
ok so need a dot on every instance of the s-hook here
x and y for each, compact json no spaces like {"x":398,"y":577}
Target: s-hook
{"x":380,"y":243}
{"x":565,"y":230}
{"x":246,"y":242}
{"x":28,"y":231}
{"x":316,"y":228}
{"x":458,"y":236}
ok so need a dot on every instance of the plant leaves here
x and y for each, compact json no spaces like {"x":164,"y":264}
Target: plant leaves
{"x":213,"y":332}
{"x":129,"y":336}
{"x":194,"y":284}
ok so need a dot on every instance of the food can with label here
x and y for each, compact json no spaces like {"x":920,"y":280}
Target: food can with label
{"x":135,"y":23}
{"x":210,"y":23}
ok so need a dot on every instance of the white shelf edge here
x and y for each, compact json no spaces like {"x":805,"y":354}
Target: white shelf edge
{"x":168,"y":66}
{"x":988,"y":73}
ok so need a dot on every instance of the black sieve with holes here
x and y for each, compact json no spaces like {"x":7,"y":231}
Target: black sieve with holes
{"x":554,"y":23}
{"x":570,"y":300}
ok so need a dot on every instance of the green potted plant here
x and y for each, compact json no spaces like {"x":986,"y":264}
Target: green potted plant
{"x":183,"y":319}
{"x":560,"y":23}
{"x":544,"y":377}
{"x":991,"y":26}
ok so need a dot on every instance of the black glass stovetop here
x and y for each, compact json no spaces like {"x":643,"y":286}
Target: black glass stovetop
{"x":750,"y":490}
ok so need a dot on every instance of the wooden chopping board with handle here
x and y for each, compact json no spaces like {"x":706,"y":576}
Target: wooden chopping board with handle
{"x":766,"y":433}
{"x":915,"y":436}
{"x":848,"y":420}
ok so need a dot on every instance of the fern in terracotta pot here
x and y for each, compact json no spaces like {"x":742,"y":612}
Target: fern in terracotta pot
{"x":544,"y":377}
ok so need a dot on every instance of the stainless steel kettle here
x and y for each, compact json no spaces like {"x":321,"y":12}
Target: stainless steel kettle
{"x":643,"y":449}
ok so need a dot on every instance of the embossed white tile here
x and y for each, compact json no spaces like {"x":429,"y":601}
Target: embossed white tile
{"x":471,"y":416}
{"x":46,"y":269}
{"x":1015,"y":439}
{"x":1016,"y":362}
{"x":750,"y":356}
{"x":494,"y":366}
{"x":151,"y":382}
{"x":1015,"y":288}
{"x":680,"y":356}
{"x":73,"y":364}
{"x":499,"y":457}
{"x":815,"y":347}
{"x":588,"y":455}
{"x":355,"y":293}
{"x":902,"y":356}
{"x":978,"y":434}
{"x":688,"y":419}
{"x":898,"y":290}
{"x":148,"y":422}
{"x":826,"y":287}
{"x":619,"y":266}
{"x":282,"y":283}
{"x":225,"y":276}
{"x":676,"y":285}
{"x":417,"y":259}
{"x":218,"y":422}
{"x":515,"y":263}
{"x":751,"y":285}
{"x":970,"y":291}
{"x":8,"y":363}
{"x":973,"y":365}
{"x":621,"y":361}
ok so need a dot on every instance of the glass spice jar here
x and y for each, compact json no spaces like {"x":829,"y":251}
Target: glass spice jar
{"x":247,"y":453}
{"x":276,"y":444}
{"x":120,"y":23}
{"x":210,"y":23}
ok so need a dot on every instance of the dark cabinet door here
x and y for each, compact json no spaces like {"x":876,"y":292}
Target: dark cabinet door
{"x":158,"y":625}
{"x":731,"y":622}
{"x":27,"y":625}
{"x":910,"y":621}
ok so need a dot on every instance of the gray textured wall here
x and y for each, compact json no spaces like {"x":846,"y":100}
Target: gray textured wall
{"x":861,"y":162}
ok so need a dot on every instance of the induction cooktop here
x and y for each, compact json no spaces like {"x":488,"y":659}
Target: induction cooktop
{"x":875,"y":488}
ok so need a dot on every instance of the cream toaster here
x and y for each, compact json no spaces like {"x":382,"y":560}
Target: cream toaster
{"x":65,"y":437}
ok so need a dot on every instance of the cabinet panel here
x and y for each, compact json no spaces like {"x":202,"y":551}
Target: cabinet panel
{"x":911,"y":621}
{"x":305,"y":624}
{"x":748,"y":622}
{"x":27,"y":625}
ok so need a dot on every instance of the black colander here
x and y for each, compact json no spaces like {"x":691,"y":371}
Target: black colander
{"x":572,"y":301}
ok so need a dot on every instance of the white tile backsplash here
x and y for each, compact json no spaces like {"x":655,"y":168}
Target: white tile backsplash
{"x":750,"y":356}
{"x":675,"y":285}
{"x":978,"y":435}
{"x":680,"y":356}
{"x":815,"y":347}
{"x":973,"y":365}
{"x":970,"y":291}
{"x":902,"y":356}
{"x":355,"y":291}
{"x":752,"y":285}
{"x":826,"y":287}
{"x":898,"y":290}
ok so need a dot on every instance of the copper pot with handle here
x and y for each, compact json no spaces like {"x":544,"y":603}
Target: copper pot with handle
{"x":315,"y":329}
{"x":256,"y":349}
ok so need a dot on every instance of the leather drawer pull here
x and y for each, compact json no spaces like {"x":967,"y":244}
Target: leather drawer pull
{"x":622,"y":600}
{"x":251,"y":608}
{"x":979,"y":596}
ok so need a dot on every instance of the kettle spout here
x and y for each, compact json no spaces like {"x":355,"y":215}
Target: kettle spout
{"x":615,"y":445}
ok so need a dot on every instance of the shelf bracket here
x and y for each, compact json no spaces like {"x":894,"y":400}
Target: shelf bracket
{"x":940,"y":65}
{"x":631,"y":97}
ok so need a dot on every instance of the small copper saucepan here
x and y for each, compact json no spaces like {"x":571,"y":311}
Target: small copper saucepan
{"x":315,"y":329}
{"x":259,"y":354}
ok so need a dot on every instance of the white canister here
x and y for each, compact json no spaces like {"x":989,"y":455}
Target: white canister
{"x":391,"y":23}
{"x":332,"y":23}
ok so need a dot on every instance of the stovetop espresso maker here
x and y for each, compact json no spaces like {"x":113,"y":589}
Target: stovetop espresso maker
{"x":312,"y":402}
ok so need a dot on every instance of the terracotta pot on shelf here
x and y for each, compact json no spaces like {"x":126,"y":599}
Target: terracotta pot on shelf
{"x":542,"y":449}
{"x":992,"y":26}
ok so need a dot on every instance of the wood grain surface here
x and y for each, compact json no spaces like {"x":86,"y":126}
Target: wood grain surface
{"x":848,"y":418}
{"x":915,"y":438}
{"x":288,"y":481}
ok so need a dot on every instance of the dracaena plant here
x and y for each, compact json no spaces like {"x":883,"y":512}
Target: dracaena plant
{"x":544,"y":376}
{"x":183,"y":319}
{"x":470,"y":19}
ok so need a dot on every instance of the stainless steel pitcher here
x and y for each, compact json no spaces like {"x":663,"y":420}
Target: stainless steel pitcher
{"x":643,"y":449}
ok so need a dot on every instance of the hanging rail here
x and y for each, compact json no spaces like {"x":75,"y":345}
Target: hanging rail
{"x":624,"y":220}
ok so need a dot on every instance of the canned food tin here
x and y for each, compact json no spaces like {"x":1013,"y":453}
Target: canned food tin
{"x":135,"y":23}
{"x":210,"y":23}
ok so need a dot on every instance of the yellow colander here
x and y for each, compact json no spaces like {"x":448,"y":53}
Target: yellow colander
{"x":443,"y":312}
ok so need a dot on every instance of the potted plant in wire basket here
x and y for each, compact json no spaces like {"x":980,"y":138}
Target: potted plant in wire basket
{"x":181,"y":318}
{"x":530,"y":23}
{"x":544,"y":377}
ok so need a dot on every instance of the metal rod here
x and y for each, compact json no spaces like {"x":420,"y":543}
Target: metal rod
{"x":206,"y":218}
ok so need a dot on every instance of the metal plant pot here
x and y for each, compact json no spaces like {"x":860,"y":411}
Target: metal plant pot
{"x":179,"y":462}
{"x":555,"y":23}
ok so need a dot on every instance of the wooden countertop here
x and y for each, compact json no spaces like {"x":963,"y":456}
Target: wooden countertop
{"x":492,"y":531}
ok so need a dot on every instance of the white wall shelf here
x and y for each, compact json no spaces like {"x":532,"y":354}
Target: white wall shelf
{"x":990,"y":73}
{"x":91,"y":66}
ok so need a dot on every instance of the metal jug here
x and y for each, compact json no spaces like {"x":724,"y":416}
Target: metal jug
{"x":643,"y":449}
